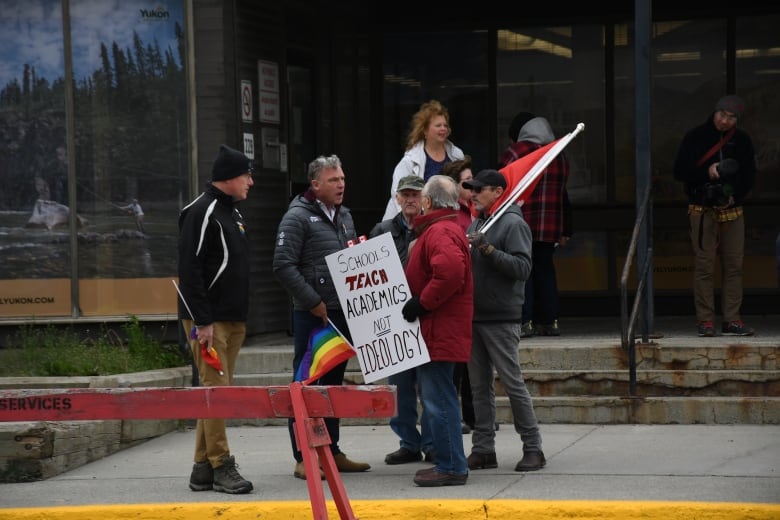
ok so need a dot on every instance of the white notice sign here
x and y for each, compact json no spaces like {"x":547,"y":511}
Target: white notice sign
{"x":372,"y":289}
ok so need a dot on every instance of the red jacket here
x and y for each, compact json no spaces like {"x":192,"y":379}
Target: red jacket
{"x":439,"y":272}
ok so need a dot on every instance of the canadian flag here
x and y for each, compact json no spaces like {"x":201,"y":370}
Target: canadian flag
{"x":523,"y":174}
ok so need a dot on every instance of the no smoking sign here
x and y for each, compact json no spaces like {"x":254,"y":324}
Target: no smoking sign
{"x":246,"y":101}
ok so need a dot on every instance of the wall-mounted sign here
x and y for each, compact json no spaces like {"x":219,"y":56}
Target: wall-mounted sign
{"x":268,"y":91}
{"x":249,"y":145}
{"x":246,"y":101}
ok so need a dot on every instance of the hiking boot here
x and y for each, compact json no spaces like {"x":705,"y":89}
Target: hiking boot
{"x":550,"y":329}
{"x":531,"y":461}
{"x":482,"y":460}
{"x":432,"y":478}
{"x":349,"y":466}
{"x":737,"y":328}
{"x":527,"y":330}
{"x":202,"y":476}
{"x":403,"y":456}
{"x":300,"y":471}
{"x":705,"y":329}
{"x":227,"y":478}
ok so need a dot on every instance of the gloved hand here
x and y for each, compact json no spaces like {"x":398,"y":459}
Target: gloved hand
{"x":413,"y":309}
{"x":479,"y":240}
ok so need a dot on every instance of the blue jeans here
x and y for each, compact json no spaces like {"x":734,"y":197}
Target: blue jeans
{"x":303,"y":323}
{"x":440,"y":401}
{"x":404,"y":424}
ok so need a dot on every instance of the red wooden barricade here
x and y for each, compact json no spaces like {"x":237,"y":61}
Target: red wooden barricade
{"x":308,"y":404}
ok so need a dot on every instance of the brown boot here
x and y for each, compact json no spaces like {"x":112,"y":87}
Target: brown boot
{"x":349,"y":466}
{"x":300,"y":471}
{"x":482,"y":460}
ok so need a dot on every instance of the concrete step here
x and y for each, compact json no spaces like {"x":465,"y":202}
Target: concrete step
{"x":619,"y":410}
{"x":679,"y":381}
{"x":747,"y":383}
{"x":278,"y":358}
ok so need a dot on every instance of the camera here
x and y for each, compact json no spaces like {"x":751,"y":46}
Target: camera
{"x":716,"y":194}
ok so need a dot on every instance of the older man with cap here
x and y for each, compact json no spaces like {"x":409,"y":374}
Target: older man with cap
{"x":501,"y":263}
{"x":717,"y":165}
{"x":414,"y":444}
{"x":213,"y":305}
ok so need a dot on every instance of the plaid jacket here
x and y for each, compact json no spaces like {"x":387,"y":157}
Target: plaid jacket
{"x":547,"y":210}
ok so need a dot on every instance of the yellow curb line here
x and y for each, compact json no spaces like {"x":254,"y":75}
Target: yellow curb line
{"x":431,"y":509}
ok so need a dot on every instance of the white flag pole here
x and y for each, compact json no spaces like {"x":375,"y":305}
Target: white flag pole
{"x":340,"y":334}
{"x":532,"y":174}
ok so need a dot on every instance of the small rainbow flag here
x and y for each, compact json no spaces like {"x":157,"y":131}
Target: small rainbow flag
{"x":327,"y":348}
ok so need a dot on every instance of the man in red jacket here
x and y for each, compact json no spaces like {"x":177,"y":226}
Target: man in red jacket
{"x":439,"y":276}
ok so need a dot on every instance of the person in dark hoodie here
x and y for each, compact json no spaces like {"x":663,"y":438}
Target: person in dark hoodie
{"x":548,"y":213}
{"x":315,"y":225}
{"x":717,"y":166}
{"x":214,"y":302}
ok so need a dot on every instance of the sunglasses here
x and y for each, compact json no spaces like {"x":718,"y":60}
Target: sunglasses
{"x":476,"y":189}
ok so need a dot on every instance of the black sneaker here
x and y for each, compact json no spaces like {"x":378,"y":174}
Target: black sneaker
{"x":531,"y":461}
{"x":228,"y":480}
{"x":737,"y":328}
{"x":202,"y":476}
{"x":550,"y":329}
{"x":705,"y":329}
{"x":403,"y":456}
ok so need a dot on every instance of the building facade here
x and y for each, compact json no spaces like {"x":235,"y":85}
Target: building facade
{"x":131,"y":101}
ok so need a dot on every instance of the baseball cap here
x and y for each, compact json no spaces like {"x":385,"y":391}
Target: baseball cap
{"x":411,"y":182}
{"x":486,"y":178}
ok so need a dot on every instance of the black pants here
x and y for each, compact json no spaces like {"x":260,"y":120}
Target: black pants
{"x":461,"y":380}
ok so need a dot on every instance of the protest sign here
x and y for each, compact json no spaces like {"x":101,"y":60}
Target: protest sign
{"x":372,"y":289}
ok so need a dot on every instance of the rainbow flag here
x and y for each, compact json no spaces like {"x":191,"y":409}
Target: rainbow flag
{"x":326,"y":349}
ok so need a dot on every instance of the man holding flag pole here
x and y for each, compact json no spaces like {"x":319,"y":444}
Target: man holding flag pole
{"x":501,"y":263}
{"x":501,"y":260}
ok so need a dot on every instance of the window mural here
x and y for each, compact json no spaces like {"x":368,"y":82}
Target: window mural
{"x":128,"y":175}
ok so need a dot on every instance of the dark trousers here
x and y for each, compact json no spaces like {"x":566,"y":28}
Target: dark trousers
{"x":541,"y":288}
{"x":303,"y":323}
{"x":463,"y":385}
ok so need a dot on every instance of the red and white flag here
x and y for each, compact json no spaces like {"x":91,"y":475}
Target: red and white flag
{"x":523,"y":175}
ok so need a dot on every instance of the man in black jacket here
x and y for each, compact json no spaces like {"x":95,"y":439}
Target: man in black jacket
{"x":213,"y":305}
{"x":717,"y":165}
{"x":315,"y":225}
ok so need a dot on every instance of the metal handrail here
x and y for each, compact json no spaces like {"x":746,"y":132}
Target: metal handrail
{"x":627,"y":339}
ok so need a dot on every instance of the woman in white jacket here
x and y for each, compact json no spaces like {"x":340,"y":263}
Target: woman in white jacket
{"x":427,"y":149}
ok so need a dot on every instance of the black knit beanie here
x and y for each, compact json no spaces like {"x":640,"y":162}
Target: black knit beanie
{"x":230,"y":163}
{"x":732,"y":104}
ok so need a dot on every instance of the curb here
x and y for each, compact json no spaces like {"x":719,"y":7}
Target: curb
{"x":432,"y":509}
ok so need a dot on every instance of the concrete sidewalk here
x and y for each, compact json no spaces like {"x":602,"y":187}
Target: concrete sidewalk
{"x":593,"y":471}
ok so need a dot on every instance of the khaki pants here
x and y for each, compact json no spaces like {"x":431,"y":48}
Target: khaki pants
{"x":210,"y":435}
{"x":710,"y":238}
